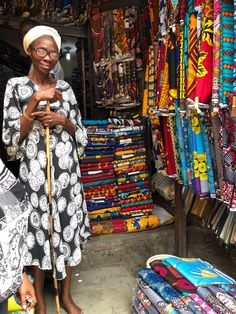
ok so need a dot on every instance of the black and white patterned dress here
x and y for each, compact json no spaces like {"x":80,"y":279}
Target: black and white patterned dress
{"x":70,"y":219}
{"x":14,"y":212}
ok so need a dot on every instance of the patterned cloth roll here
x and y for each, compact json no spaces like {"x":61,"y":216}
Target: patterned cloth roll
{"x":168,"y":293}
{"x":209,"y":297}
{"x":223,"y":297}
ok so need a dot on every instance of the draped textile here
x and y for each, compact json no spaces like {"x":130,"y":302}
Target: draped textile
{"x":197,"y":271}
{"x":14,"y":211}
{"x":205,"y":58}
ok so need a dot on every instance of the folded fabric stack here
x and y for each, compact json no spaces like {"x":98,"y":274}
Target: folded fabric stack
{"x":115,"y":177}
{"x":130,"y":166}
{"x":97,"y":171}
{"x":183,"y":285}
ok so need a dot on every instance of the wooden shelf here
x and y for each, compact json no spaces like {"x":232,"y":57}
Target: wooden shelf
{"x":66,"y":30}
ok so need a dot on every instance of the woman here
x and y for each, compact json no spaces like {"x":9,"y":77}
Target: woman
{"x":14,"y":211}
{"x":25,"y":120}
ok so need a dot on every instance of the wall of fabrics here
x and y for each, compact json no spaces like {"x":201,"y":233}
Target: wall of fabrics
{"x":190,"y":95}
{"x":117,"y":57}
{"x":170,"y":284}
{"x":116,"y":178}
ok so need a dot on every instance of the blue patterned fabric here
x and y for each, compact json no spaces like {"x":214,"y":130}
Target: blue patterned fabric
{"x":198,"y":272}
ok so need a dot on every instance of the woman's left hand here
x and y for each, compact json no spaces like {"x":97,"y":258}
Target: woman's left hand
{"x":49,"y":119}
{"x":27,"y":293}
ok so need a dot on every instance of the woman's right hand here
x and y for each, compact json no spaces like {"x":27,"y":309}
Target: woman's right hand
{"x":51,"y":94}
{"x":27,"y":293}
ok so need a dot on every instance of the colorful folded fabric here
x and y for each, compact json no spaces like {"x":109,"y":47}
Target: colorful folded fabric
{"x":197,"y":271}
{"x":97,"y":157}
{"x":138,"y":129}
{"x":168,"y":293}
{"x":95,"y":167}
{"x":194,"y":307}
{"x":103,"y":216}
{"x":137,"y":207}
{"x":89,"y":123}
{"x":104,"y":187}
{"x":160,"y":304}
{"x":130,"y":151}
{"x":132,"y":194}
{"x":142,"y":223}
{"x":230,"y":289}
{"x":135,"y":214}
{"x":209,"y":297}
{"x":133,"y":175}
{"x":134,"y":146}
{"x":181,"y":284}
{"x":14,"y":306}
{"x":173,"y":277}
{"x":99,"y":182}
{"x":138,"y":197}
{"x":148,"y":306}
{"x":133,"y":186}
{"x":204,"y":305}
{"x":88,"y":179}
{"x":228,"y":301}
{"x":138,"y":306}
{"x":104,"y":161}
{"x":101,"y":193}
{"x":131,"y":168}
{"x":128,"y":156}
{"x":128,"y":160}
{"x":136,"y":203}
{"x":107,"y":226}
{"x":102,"y":206}
{"x":105,"y":210}
{"x":103,"y":201}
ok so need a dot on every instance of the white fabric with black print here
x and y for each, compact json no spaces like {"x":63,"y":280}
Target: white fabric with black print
{"x":69,"y":212}
{"x":14,"y":212}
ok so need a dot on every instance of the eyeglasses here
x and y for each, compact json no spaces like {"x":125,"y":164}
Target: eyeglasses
{"x":42,"y":52}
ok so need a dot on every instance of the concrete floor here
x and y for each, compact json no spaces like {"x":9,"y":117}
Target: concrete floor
{"x":106,"y":278}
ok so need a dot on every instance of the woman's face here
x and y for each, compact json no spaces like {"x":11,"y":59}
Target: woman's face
{"x":40,"y":46}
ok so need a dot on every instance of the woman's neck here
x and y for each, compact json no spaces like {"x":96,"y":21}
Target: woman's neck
{"x":42,"y":80}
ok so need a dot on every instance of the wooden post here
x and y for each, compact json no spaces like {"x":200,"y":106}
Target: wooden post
{"x":180,"y":222}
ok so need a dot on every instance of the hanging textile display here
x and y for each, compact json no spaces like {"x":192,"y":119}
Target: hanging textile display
{"x":188,"y":97}
{"x":116,"y":57}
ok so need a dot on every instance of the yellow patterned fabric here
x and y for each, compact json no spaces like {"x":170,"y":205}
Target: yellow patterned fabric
{"x":143,"y":223}
{"x":14,"y":306}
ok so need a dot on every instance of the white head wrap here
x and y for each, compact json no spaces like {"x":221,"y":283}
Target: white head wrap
{"x":39,"y":31}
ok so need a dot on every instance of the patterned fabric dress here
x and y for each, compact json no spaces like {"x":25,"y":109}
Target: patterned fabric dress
{"x":70,"y":222}
{"x":14,"y":212}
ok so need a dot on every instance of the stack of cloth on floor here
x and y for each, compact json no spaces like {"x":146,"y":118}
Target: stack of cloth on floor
{"x":173,"y":285}
{"x":115,"y":177}
{"x":97,"y":171}
{"x":130,"y":166}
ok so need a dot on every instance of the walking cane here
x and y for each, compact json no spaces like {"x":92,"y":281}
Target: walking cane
{"x":50,"y":210}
